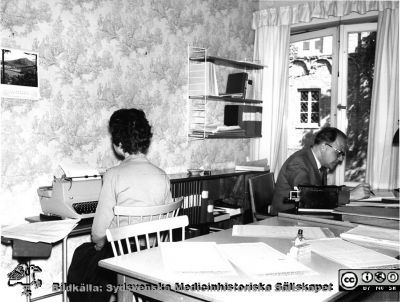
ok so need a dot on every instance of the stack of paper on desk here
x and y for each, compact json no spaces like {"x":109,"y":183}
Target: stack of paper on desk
{"x":195,"y":257}
{"x":351,"y":255}
{"x":255,"y":165}
{"x":207,"y":257}
{"x":380,"y":199}
{"x":381,"y":203}
{"x":47,"y":231}
{"x":381,"y":237}
{"x":258,"y":258}
{"x":285,"y":232}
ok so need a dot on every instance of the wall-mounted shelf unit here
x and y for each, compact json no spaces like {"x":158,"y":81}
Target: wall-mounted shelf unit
{"x":242,"y":121}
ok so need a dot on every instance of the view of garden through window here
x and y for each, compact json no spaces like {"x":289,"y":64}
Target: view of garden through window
{"x":310,"y":80}
{"x":360,"y":74}
{"x":310,"y":87}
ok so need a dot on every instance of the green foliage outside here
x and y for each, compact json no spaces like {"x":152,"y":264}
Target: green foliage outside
{"x":359,"y":92}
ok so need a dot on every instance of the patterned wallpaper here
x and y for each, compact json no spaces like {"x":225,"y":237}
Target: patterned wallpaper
{"x":96,"y":56}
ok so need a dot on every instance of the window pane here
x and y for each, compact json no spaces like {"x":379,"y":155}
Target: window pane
{"x":304,"y":117}
{"x":314,"y":117}
{"x":304,"y":96}
{"x":315,"y":95}
{"x":361,"y":56}
{"x":315,"y":107}
{"x":304,"y":107}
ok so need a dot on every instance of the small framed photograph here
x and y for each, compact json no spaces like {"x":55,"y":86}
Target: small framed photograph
{"x":19,"y":74}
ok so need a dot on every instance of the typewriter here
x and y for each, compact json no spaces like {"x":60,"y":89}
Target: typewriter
{"x":71,"y":196}
{"x":314,"y":199}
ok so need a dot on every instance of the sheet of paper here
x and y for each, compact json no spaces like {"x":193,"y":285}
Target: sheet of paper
{"x":351,"y":255}
{"x":258,"y":258}
{"x":69,"y":168}
{"x":47,"y":231}
{"x":379,"y":195}
{"x":351,"y":184}
{"x":286,"y":232}
{"x":373,"y":204}
{"x":198,"y":257}
{"x":383,"y":237}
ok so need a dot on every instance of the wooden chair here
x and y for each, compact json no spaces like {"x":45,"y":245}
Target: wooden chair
{"x":141,"y":214}
{"x":261,"y":191}
{"x":147,"y":235}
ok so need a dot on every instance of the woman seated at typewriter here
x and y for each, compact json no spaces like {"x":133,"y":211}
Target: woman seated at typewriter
{"x":134,"y":182}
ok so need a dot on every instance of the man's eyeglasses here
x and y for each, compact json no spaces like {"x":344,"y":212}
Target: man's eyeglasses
{"x":338,"y":152}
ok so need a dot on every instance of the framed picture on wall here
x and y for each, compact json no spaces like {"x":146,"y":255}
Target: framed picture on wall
{"x":19,"y":74}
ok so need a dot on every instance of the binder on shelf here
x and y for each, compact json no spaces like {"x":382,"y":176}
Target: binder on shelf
{"x":236,"y":85}
{"x":247,"y":117}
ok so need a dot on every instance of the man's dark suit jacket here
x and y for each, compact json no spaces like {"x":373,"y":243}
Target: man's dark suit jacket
{"x":299,"y":169}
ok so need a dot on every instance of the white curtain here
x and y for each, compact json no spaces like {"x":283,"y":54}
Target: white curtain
{"x":382,"y":157}
{"x":272,"y":49}
{"x":272,"y":34}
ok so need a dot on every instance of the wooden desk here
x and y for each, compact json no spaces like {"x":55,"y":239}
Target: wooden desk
{"x":146,"y":268}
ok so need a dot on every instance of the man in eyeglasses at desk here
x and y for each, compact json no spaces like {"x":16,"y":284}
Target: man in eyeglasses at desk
{"x":309,"y":166}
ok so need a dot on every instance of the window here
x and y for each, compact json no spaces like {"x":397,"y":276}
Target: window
{"x":310,"y":87}
{"x":357,"y":56}
{"x":309,"y":107}
{"x":318,"y":44}
{"x":341,"y":65}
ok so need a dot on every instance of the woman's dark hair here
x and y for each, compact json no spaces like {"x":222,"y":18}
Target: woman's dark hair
{"x":328,"y":135}
{"x":130,"y":128}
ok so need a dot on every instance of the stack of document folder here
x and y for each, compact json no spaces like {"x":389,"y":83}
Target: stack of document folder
{"x":374,"y":236}
{"x":370,"y":215}
{"x":216,"y":131}
{"x":255,"y":165}
{"x":350,"y":255}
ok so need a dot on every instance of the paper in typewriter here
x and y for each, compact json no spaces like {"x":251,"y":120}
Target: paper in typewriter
{"x":70,"y":169}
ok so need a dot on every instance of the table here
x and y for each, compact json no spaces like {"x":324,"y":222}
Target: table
{"x":26,"y":251}
{"x":145,"y":269}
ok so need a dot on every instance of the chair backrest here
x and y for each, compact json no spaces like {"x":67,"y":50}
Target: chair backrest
{"x":148,"y":234}
{"x":261,"y":191}
{"x":141,"y":214}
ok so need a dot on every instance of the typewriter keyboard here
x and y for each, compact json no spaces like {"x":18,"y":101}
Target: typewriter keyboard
{"x":85,"y":207}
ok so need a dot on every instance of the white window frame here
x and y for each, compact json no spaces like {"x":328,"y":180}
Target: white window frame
{"x":308,"y":125}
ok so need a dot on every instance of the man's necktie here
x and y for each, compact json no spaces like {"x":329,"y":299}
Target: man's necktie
{"x":324,"y":175}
